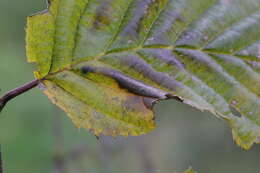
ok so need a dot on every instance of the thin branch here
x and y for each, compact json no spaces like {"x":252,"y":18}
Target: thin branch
{"x":1,"y":161}
{"x":59,"y":160}
{"x":16,"y":92}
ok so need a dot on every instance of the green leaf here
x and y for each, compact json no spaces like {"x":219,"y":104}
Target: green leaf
{"x":190,"y":170}
{"x":106,"y":62}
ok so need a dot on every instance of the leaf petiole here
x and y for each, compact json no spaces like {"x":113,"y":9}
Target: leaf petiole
{"x":17,"y":91}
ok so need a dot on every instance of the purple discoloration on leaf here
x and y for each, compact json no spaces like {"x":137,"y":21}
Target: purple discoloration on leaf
{"x":160,"y":37}
{"x":252,"y":50}
{"x":203,"y":58}
{"x":146,"y":70}
{"x":132,"y":28}
{"x":254,"y":64}
{"x":166,"y":56}
{"x":237,"y":33}
{"x":129,"y":83}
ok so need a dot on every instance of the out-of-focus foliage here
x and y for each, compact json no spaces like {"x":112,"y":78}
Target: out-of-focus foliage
{"x":106,"y":62}
{"x":189,"y":171}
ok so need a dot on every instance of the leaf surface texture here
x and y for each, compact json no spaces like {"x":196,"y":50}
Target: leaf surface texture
{"x":106,"y":62}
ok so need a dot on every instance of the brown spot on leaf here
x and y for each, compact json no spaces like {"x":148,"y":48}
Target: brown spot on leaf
{"x":149,"y":102}
{"x":134,"y":103}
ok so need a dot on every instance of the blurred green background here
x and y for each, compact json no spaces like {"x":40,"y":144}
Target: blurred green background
{"x":39,"y":138}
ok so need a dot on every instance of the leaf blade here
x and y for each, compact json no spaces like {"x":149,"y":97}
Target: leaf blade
{"x":203,"y":52}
